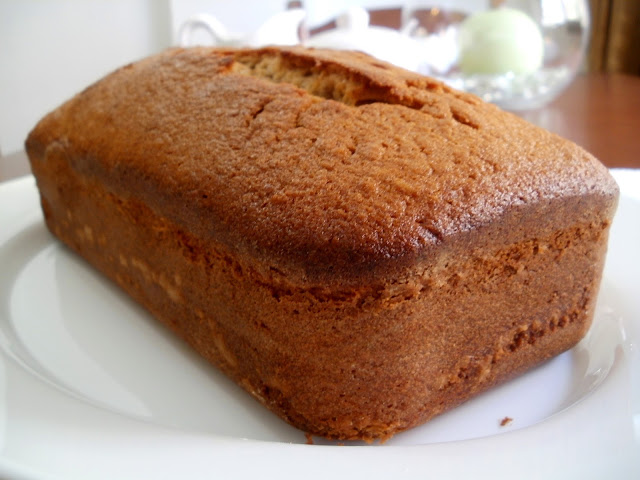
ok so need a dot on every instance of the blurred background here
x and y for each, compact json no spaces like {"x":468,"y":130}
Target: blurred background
{"x":51,"y":49}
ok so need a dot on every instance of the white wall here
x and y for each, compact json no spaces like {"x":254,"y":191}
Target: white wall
{"x":51,"y":49}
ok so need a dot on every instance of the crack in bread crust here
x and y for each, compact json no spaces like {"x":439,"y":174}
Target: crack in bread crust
{"x":331,"y":80}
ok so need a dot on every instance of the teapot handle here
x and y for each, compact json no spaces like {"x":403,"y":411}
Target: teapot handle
{"x":206,"y":22}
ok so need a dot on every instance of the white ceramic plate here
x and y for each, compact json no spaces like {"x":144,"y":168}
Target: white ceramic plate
{"x":92,"y":387}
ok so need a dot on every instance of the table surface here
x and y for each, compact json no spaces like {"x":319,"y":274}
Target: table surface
{"x":600,"y":112}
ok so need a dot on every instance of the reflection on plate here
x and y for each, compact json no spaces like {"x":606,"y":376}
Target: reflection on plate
{"x":83,"y":364}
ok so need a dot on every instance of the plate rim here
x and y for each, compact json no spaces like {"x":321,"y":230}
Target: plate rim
{"x":414,"y":455}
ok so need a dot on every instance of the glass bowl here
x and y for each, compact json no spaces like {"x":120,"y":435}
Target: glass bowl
{"x":518,"y":54}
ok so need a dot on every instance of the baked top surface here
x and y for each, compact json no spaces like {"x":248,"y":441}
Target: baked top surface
{"x":305,"y":157}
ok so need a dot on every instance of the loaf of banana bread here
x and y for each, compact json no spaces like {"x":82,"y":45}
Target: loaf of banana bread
{"x":361,"y":248}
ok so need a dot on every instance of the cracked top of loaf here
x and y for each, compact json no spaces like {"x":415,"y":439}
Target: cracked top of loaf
{"x":315,"y":163}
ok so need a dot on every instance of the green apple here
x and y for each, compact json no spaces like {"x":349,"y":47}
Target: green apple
{"x":499,"y":41}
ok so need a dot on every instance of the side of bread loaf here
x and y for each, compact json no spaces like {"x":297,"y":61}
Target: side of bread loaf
{"x":361,"y":248}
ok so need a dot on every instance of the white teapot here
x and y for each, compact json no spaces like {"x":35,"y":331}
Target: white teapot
{"x":353,"y":32}
{"x":280,"y":29}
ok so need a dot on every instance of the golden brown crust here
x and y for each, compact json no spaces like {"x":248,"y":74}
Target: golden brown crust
{"x":359,"y":247}
{"x":324,"y":187}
